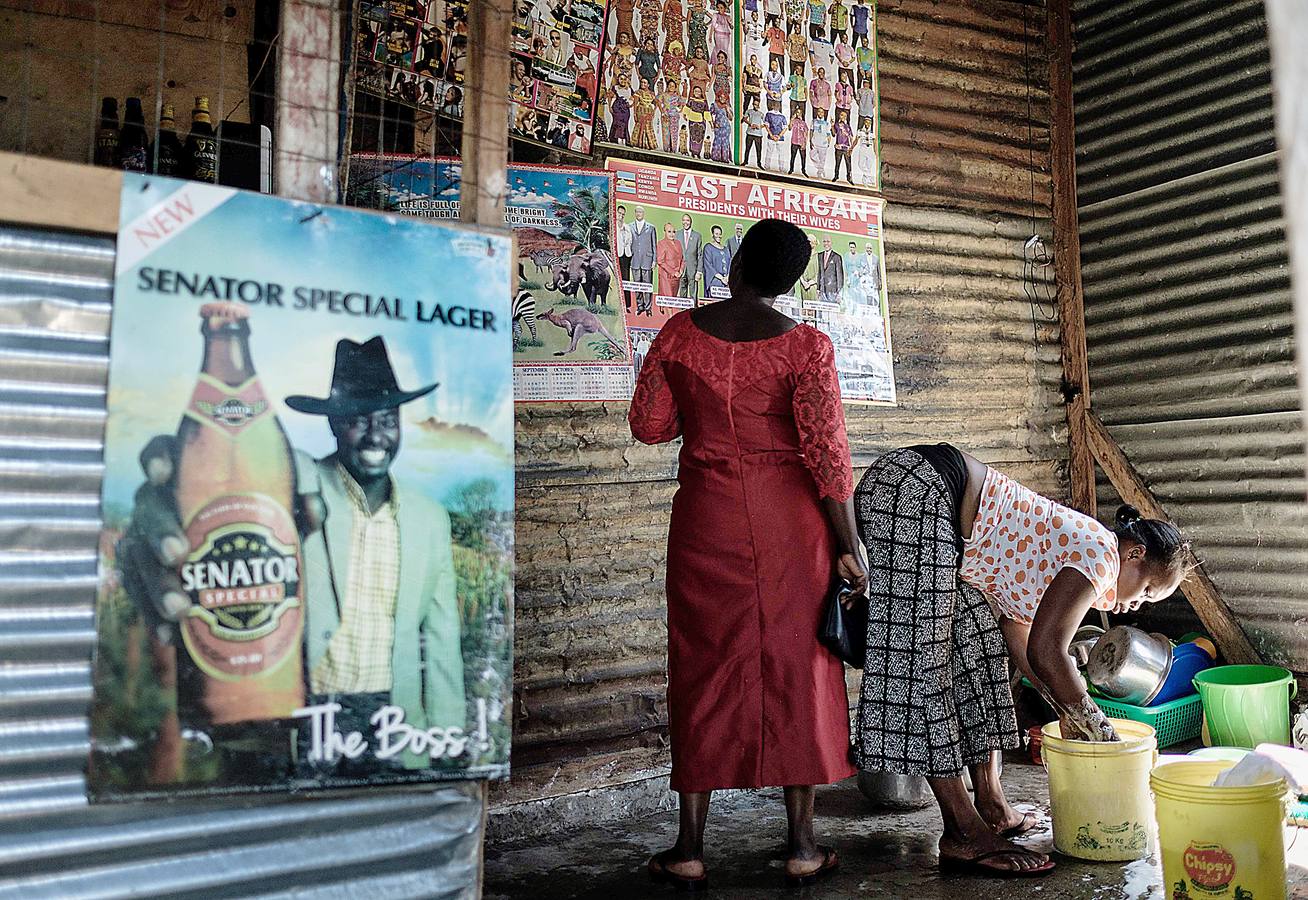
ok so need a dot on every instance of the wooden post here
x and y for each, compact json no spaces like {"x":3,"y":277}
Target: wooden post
{"x":486,"y":113}
{"x":1198,"y":587}
{"x":308,"y":100}
{"x":1067,"y":257}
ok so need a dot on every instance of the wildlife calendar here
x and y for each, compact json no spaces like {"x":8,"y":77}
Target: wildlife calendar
{"x":569,"y":335}
{"x":678,"y":232}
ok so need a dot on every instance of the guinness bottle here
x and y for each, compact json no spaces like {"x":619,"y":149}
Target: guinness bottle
{"x":235,"y":488}
{"x":201,"y":145}
{"x":106,"y":135}
{"x":170,"y":148}
{"x":133,"y":143}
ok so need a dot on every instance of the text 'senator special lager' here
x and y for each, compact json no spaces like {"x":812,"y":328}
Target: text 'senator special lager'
{"x":235,"y":488}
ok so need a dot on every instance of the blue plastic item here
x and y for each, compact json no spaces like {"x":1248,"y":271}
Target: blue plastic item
{"x":1188,"y":660}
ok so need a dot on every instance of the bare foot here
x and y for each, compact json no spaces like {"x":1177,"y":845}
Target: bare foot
{"x":1010,"y":858}
{"x":1004,"y":819}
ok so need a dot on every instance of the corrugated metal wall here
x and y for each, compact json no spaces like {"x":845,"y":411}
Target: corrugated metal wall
{"x":593,"y":507}
{"x":55,"y":296}
{"x":1188,"y":310}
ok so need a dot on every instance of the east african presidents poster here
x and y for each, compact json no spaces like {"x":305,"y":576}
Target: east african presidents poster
{"x":682,"y":230}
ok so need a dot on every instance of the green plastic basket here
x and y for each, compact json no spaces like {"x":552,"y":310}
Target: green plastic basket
{"x":1173,"y":722}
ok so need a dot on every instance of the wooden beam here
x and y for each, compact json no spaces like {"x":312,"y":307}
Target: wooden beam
{"x":486,"y":113}
{"x":36,"y":193}
{"x":308,"y":100}
{"x":1067,"y":256}
{"x":1198,"y":587}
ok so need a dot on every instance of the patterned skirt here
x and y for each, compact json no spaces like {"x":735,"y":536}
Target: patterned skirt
{"x":935,"y":694}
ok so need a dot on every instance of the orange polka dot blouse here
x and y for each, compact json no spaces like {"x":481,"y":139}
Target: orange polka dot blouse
{"x":1021,"y":540}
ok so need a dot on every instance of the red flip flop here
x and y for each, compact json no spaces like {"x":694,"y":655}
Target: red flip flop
{"x":976,"y":866}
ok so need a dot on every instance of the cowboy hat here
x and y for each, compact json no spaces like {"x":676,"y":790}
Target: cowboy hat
{"x":363,"y":382}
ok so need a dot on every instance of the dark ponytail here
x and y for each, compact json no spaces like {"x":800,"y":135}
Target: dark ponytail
{"x":1162,"y":542}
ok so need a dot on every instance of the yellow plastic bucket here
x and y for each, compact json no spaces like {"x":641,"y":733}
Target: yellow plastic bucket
{"x":1099,"y":792}
{"x":1219,"y":843}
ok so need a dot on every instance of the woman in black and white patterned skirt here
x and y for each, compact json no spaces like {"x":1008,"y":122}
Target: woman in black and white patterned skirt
{"x":952,"y":545}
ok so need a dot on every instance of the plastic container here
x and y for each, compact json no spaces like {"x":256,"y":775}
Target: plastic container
{"x":1229,"y":754}
{"x":1247,"y":705}
{"x":1099,"y":792}
{"x":1173,"y":722}
{"x":1188,"y":660}
{"x":1219,"y":843}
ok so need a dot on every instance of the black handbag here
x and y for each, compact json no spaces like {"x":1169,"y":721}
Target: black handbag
{"x":844,"y":631}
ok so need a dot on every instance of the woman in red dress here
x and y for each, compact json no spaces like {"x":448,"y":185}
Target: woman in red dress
{"x":761,"y":526}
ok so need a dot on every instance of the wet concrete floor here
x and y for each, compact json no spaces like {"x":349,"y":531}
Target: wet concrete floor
{"x":883,"y":855}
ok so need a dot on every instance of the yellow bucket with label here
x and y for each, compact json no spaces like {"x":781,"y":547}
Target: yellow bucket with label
{"x":1219,"y":843}
{"x":1099,"y":792}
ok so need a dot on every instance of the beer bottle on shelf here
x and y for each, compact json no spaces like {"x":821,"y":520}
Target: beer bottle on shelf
{"x":201,"y":145}
{"x":106,"y":134}
{"x":133,"y":142}
{"x":235,"y":490}
{"x":170,"y":148}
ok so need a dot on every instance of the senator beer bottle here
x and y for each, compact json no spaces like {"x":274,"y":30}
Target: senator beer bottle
{"x":235,"y":488}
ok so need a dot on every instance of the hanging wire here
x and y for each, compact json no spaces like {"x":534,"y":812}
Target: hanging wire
{"x":1036,"y":258}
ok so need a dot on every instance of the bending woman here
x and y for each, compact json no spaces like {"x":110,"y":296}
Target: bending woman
{"x":951,"y":545}
{"x":761,"y":525}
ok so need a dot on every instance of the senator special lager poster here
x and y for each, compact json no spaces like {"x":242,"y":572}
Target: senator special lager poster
{"x":305,"y":569}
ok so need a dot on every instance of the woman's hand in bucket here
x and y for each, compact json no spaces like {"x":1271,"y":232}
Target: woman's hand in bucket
{"x":852,"y":568}
{"x":1085,"y":721}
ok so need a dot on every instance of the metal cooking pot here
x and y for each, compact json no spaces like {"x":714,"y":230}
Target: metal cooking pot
{"x":1083,"y":642}
{"x":891,"y":791}
{"x":1129,"y":665}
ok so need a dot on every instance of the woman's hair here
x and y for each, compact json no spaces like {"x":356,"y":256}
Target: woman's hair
{"x":1162,"y":542}
{"x":772,"y":256}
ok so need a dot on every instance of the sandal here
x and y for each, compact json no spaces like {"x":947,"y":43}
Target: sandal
{"x":830,"y":863}
{"x":1028,"y":824}
{"x":977,"y":866}
{"x":658,"y":871}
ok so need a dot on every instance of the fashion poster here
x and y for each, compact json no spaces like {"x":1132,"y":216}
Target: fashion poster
{"x":415,"y":52}
{"x":670,"y":78}
{"x":306,"y":562}
{"x":809,"y":100}
{"x":569,"y":339}
{"x":683,"y":230}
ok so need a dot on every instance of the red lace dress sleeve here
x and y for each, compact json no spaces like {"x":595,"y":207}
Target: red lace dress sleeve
{"x":653,"y":417}
{"x":820,"y":418}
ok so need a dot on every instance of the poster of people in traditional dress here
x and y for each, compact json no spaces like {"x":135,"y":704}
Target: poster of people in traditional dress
{"x":808,"y":89}
{"x":415,"y":52}
{"x":569,"y":337}
{"x":678,"y":231}
{"x":669,"y":79}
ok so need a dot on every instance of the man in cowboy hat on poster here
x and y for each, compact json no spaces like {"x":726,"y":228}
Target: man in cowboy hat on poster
{"x":382,"y":622}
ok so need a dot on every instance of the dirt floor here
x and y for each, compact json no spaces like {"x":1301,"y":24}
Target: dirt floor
{"x":883,"y":855}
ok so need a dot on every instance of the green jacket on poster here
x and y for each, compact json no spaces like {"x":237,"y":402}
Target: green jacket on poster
{"x":426,"y":658}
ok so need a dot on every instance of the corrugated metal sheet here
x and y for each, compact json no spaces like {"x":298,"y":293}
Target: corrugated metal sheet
{"x":54,"y":318}
{"x":1189,"y":322}
{"x":1167,"y":89}
{"x":593,"y":507}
